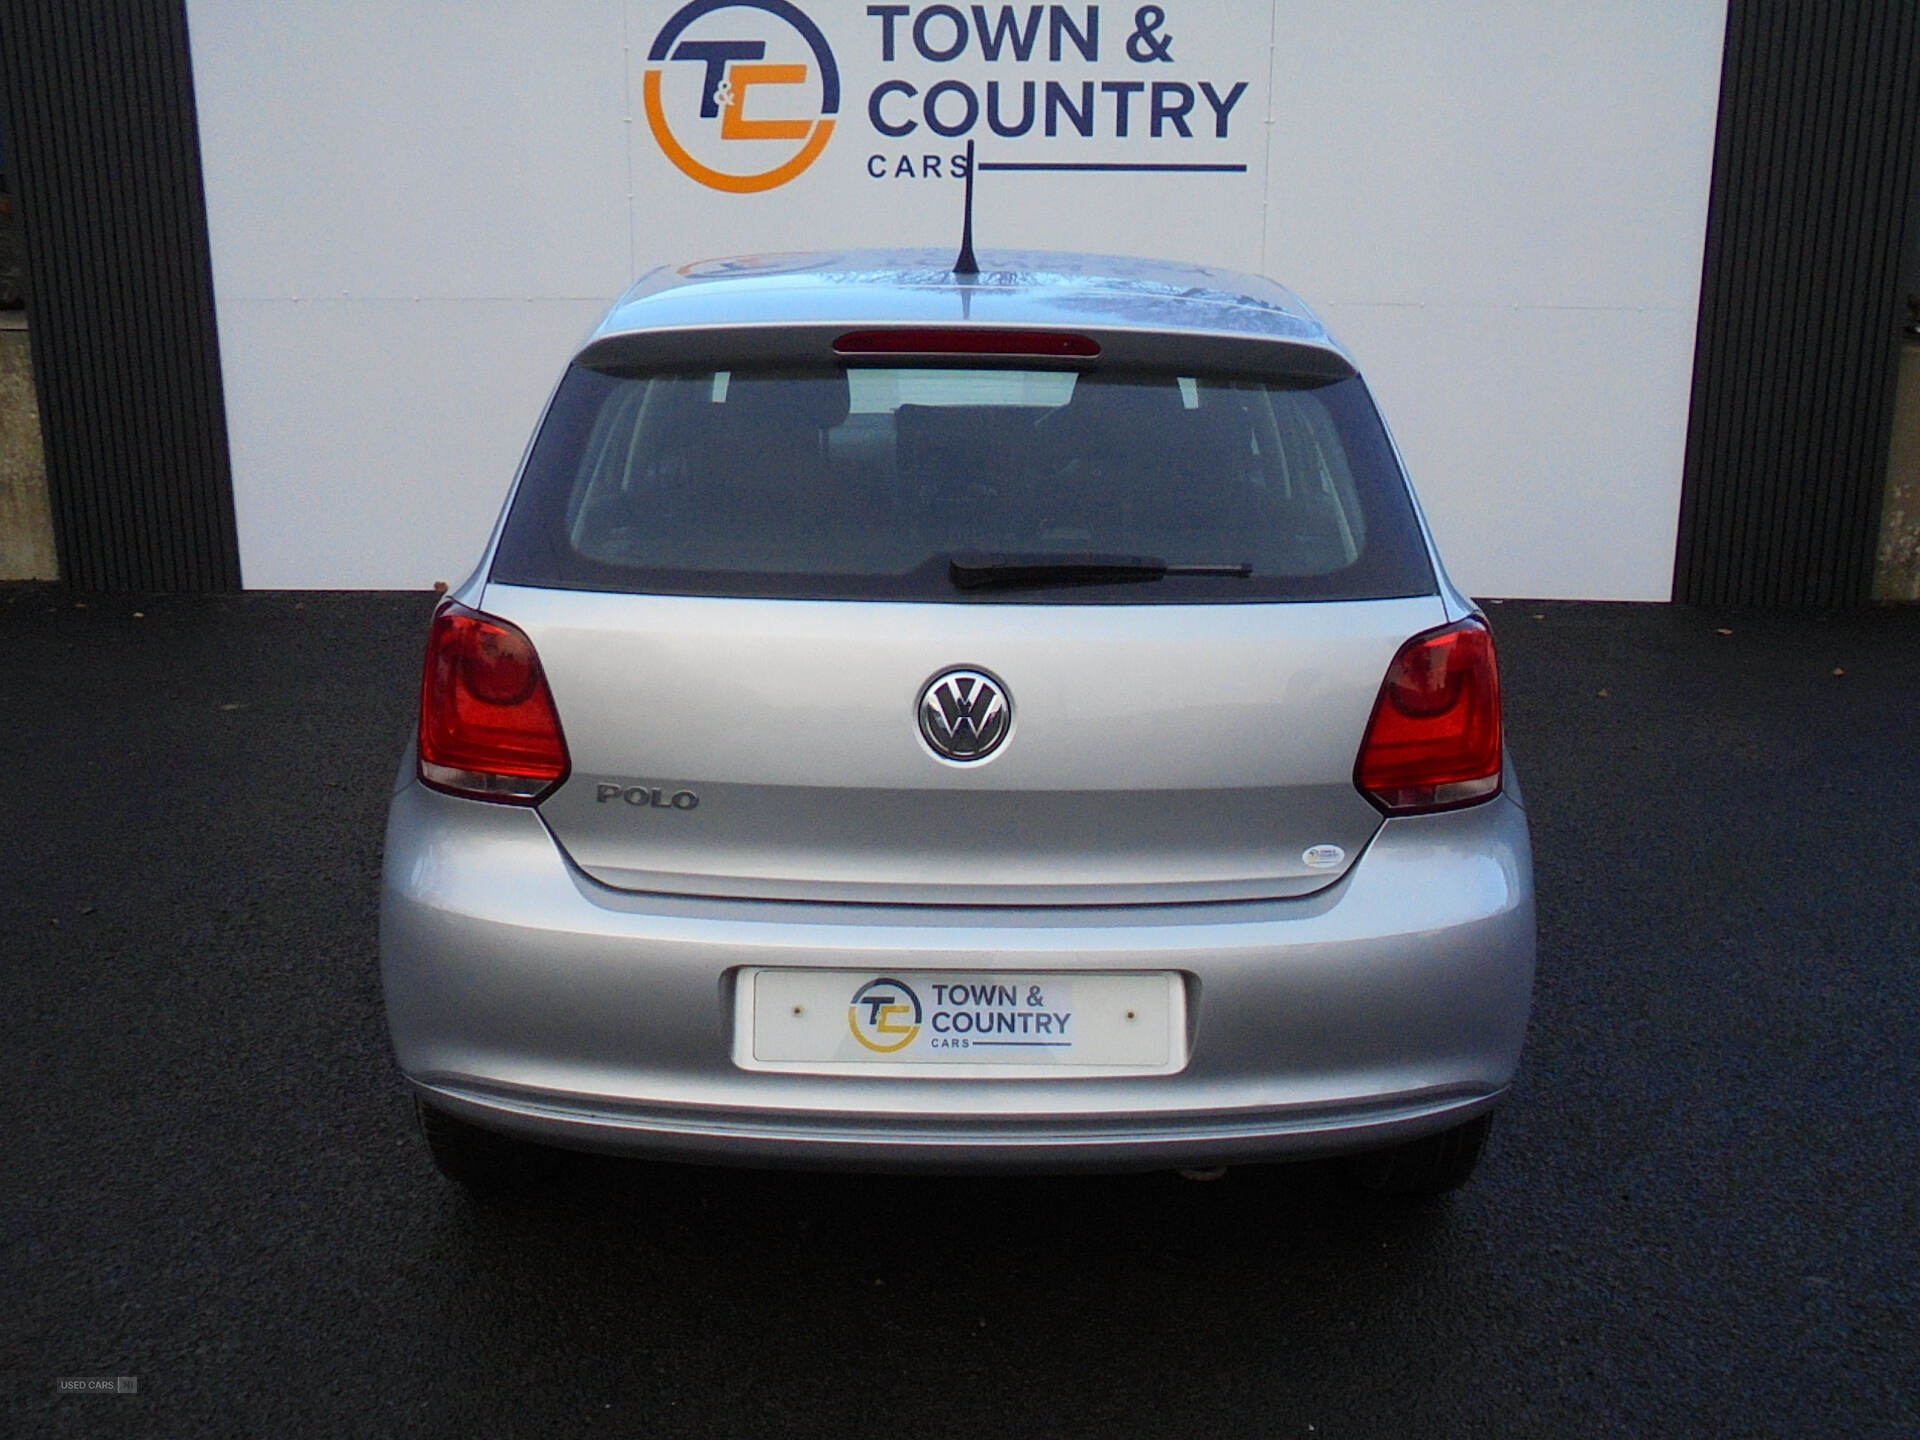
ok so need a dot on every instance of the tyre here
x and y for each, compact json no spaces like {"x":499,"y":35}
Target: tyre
{"x":483,"y":1161}
{"x":1431,"y":1165}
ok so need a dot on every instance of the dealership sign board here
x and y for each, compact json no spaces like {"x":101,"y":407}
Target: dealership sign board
{"x":416,"y":211}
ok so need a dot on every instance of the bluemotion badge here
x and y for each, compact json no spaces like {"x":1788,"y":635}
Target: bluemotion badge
{"x":884,"y":1016}
{"x":722,"y":48}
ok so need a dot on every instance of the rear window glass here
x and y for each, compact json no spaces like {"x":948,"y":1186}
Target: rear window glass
{"x":862,"y":483}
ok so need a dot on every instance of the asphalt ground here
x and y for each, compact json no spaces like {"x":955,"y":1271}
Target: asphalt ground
{"x":1697,"y":1215}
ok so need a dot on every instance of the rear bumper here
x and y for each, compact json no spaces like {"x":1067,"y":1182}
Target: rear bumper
{"x":524,"y":996}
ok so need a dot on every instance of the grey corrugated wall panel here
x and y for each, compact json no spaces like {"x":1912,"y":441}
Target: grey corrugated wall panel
{"x":105,"y":151}
{"x":1800,"y":303}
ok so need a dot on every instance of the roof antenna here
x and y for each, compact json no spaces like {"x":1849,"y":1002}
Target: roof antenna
{"x":966,"y":265}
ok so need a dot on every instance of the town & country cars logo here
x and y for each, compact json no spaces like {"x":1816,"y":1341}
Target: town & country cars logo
{"x":742,"y":96}
{"x":885,"y":1015}
{"x":723,"y":45}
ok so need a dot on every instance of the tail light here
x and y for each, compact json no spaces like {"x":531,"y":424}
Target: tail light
{"x":488,"y":727}
{"x":1434,"y":740}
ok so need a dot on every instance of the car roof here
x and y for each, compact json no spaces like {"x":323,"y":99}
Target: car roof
{"x":919,"y":287}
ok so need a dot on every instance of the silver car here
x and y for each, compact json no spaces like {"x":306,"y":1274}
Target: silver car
{"x":916,"y":719}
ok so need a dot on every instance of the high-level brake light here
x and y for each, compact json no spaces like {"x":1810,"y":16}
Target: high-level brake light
{"x":939,"y":340}
{"x":488,"y":726}
{"x":1434,"y":740}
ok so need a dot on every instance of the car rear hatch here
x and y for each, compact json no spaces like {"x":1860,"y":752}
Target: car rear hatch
{"x":771,"y":749}
{"x":1188,"y":572}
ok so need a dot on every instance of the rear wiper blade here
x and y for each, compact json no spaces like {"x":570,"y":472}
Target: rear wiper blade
{"x":1012,"y":572}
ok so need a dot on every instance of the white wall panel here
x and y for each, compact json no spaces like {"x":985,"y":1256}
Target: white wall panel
{"x":416,"y":205}
{"x":413,"y":147}
{"x":1496,"y":152}
{"x":1500,"y":207}
{"x":1545,"y":443}
{"x":373,"y":440}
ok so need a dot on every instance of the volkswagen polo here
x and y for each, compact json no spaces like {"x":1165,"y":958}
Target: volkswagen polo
{"x":908,"y":718}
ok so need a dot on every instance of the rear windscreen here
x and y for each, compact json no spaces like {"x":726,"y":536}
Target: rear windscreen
{"x":863,"y":483}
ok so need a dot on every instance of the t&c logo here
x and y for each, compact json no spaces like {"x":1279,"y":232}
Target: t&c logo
{"x":744,"y":153}
{"x":879,"y":1015}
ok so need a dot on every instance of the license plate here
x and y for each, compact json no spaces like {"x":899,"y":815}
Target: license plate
{"x":930,"y":1022}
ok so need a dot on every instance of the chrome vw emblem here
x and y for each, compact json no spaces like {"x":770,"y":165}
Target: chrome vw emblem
{"x":964,"y":715}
